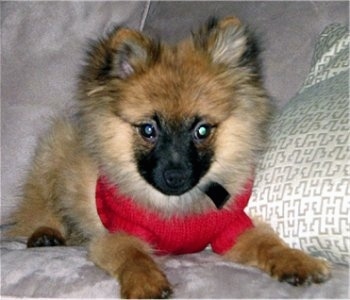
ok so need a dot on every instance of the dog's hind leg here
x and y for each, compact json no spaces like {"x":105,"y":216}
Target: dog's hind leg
{"x":35,"y":219}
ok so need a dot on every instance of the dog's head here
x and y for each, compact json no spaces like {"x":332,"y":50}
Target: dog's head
{"x":166,"y":122}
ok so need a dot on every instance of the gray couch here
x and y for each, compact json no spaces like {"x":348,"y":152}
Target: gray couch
{"x":300,"y":192}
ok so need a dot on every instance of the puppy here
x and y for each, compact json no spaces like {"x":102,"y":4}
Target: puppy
{"x":158,"y":159}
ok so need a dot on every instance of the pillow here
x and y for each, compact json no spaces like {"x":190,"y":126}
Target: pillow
{"x":302,"y":183}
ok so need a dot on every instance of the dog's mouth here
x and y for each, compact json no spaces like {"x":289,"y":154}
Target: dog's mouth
{"x":215,"y":191}
{"x":176,"y":182}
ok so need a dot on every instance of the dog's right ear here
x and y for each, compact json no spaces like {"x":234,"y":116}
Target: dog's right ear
{"x":229,"y":42}
{"x":121,"y":54}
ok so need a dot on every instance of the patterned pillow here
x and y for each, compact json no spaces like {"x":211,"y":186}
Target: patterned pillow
{"x":302,"y":184}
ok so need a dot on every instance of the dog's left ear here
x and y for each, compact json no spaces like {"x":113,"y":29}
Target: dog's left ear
{"x":228,"y":42}
{"x":122,"y":53}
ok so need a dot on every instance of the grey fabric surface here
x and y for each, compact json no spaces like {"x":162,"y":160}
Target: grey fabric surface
{"x":66,"y":273}
{"x":288,"y":31}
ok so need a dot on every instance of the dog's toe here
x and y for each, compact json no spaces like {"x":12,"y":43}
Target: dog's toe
{"x":46,"y":237}
{"x":298,"y":268}
{"x":143,"y":279}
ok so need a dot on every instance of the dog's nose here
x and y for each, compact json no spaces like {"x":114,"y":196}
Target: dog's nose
{"x":175,"y":178}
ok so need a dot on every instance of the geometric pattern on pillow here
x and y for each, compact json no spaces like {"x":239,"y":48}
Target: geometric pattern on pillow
{"x":331,"y":55}
{"x":302,"y":185}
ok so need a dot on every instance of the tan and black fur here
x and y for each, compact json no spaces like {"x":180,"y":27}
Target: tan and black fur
{"x":128,"y":78}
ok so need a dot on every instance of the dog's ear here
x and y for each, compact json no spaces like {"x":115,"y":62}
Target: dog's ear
{"x":121,"y":54}
{"x":228,"y":42}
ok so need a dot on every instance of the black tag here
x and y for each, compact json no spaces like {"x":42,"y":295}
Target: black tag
{"x":218,"y":194}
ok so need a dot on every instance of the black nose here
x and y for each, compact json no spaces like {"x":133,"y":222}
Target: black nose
{"x":175,"y":178}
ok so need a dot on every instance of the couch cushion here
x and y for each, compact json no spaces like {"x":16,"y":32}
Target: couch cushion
{"x":65,"y":272}
{"x":302,"y":185}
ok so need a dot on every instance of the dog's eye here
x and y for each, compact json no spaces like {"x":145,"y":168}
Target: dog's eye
{"x":202,"y":131}
{"x":149,"y":131}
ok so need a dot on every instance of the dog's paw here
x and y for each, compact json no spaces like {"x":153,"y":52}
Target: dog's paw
{"x":144,"y":280}
{"x":46,"y":237}
{"x":297,"y":268}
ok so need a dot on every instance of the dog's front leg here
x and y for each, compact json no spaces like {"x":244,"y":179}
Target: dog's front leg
{"x":128,"y":259}
{"x":261,"y":247}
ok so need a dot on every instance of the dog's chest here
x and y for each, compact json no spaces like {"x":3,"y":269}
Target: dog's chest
{"x":174,"y":235}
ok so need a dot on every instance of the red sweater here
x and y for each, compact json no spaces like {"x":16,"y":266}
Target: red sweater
{"x":176,"y":234}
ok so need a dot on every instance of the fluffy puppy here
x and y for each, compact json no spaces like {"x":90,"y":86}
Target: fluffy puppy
{"x":159,"y":159}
